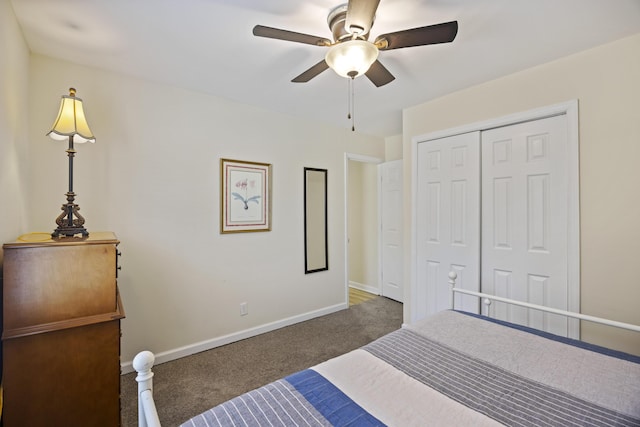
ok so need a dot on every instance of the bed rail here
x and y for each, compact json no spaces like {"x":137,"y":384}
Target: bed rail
{"x":488,"y":299}
{"x":147,"y":413}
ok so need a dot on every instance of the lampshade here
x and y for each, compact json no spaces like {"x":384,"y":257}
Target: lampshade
{"x":351,"y":58}
{"x":71,"y":121}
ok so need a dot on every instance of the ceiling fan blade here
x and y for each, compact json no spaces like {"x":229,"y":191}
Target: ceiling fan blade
{"x":311,"y":72}
{"x":379,"y":75}
{"x":431,"y":34}
{"x":292,"y":36}
{"x":360,"y":15}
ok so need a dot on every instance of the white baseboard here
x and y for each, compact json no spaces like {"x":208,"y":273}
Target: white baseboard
{"x":371,"y":289}
{"x":188,"y":350}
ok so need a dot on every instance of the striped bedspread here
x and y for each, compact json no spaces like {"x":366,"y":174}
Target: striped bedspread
{"x":450,"y":369}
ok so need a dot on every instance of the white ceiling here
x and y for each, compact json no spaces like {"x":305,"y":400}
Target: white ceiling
{"x":208,"y":46}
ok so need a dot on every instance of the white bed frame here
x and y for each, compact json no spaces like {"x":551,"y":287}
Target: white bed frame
{"x":488,"y":299}
{"x":147,"y":413}
{"x":143,"y":362}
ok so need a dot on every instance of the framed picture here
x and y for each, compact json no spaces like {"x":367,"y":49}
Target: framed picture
{"x":245,"y":196}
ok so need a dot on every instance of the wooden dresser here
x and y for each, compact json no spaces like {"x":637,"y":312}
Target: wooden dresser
{"x":61,"y":332}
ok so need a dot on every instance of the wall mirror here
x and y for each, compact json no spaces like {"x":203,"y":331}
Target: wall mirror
{"x":316,"y":257}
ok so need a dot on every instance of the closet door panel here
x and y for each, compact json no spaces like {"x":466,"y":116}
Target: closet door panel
{"x":448,"y":221}
{"x":525,"y":219}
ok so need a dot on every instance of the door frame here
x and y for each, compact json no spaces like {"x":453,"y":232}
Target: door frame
{"x":363,"y":159}
{"x":570,"y":109}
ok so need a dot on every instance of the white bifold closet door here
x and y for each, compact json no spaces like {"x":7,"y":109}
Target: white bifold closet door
{"x":448,"y":221}
{"x":524,"y":220}
{"x":492,"y":206}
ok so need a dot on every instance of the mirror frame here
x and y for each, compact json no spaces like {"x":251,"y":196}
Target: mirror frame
{"x":313,"y":243}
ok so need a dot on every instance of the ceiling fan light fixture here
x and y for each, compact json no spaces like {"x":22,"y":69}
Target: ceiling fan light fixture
{"x":351,"y":58}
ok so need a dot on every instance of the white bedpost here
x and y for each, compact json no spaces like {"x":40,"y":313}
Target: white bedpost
{"x":147,"y":414}
{"x":452,"y":281}
{"x":487,"y":305}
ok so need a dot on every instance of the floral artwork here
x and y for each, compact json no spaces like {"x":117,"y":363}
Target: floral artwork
{"x":244,"y":186}
{"x":245,"y":201}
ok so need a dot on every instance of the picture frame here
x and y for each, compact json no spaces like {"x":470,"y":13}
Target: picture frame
{"x":245,"y":196}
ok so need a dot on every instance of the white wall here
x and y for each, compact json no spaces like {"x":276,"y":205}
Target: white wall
{"x":393,"y":148}
{"x":152,"y":177}
{"x":605,"y":82}
{"x":14,"y":94}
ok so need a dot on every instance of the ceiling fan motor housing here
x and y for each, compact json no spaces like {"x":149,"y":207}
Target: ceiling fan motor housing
{"x":336,"y":20}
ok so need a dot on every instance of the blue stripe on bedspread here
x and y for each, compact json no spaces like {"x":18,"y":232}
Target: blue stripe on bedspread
{"x":332,"y":403}
{"x":302,"y":399}
{"x":576,"y":343}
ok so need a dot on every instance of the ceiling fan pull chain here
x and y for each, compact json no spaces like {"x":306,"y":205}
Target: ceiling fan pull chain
{"x":349,"y":99}
{"x":352,"y":112}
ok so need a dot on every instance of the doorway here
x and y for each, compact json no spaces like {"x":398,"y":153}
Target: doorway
{"x":361,"y":224}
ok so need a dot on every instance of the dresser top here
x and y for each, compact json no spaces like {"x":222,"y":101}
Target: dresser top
{"x":44,"y":239}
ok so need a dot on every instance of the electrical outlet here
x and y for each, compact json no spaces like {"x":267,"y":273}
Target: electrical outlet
{"x":244,"y":309}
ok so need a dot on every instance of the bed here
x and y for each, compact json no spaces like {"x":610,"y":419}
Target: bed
{"x":450,"y":369}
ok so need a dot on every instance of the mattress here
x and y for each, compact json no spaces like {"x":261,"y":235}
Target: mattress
{"x":451,"y":369}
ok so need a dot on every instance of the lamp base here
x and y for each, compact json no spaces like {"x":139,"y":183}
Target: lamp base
{"x":68,"y":226}
{"x":62,"y":232}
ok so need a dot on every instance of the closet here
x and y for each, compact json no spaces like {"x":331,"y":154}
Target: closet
{"x":498,"y":205}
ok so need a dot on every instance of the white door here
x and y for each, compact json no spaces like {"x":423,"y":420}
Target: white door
{"x":448,"y":221}
{"x":391,"y":258}
{"x":525,"y":219}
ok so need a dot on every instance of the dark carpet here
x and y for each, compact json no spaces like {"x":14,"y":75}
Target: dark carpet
{"x":188,"y":386}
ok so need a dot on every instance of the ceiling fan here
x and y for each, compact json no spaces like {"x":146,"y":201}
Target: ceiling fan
{"x":350,"y":53}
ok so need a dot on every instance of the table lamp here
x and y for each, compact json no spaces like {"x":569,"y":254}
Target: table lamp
{"x":71,"y":124}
